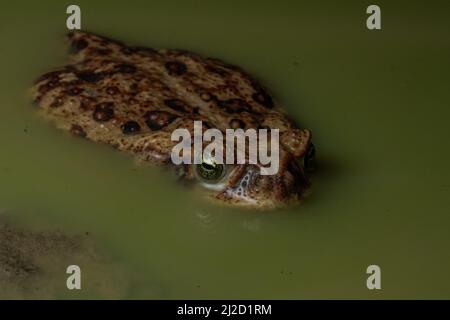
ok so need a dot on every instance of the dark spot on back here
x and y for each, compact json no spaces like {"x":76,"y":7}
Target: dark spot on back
{"x":103,"y":51}
{"x":90,"y":77}
{"x":234,"y":105}
{"x":175,"y":68}
{"x":77,"y":130}
{"x":43,"y":89}
{"x":134,"y":87}
{"x":103,"y":111}
{"x":206,"y":125}
{"x":78,"y":45}
{"x":144,"y":50}
{"x":130,"y":127}
{"x":54,"y":81}
{"x":86,"y":102}
{"x":156,"y":120}
{"x":74,"y":91}
{"x":48,"y":75}
{"x":125,"y":68}
{"x":178,"y":105}
{"x":261,"y":96}
{"x":57,"y":102}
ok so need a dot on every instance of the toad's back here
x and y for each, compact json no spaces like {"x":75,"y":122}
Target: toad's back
{"x":133,"y":97}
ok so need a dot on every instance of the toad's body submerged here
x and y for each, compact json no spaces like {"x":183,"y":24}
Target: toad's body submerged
{"x":133,"y":98}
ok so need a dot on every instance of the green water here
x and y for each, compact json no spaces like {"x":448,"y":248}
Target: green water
{"x":377,"y":103}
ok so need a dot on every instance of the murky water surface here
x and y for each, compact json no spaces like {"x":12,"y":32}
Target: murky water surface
{"x":378,"y":106}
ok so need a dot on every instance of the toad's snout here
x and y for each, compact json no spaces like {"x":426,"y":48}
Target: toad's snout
{"x":249,"y":187}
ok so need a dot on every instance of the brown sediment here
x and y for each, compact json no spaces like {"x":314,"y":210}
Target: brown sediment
{"x":33,"y":263}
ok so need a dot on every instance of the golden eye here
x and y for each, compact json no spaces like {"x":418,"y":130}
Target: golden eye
{"x":210,"y":171}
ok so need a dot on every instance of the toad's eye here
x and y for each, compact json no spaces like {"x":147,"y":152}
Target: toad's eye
{"x":210,"y":172}
{"x":309,"y":158}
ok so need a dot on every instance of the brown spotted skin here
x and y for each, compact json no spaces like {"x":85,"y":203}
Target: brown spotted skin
{"x":133,"y":98}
